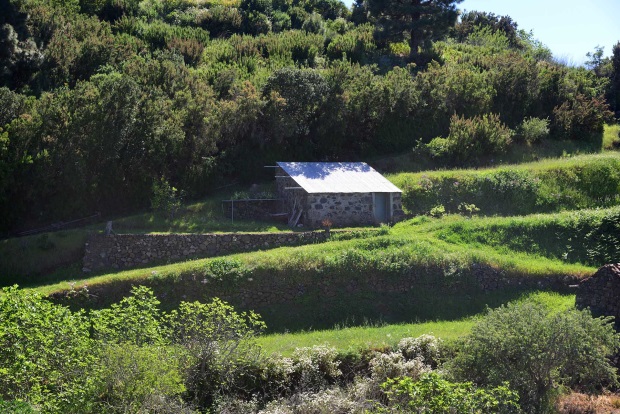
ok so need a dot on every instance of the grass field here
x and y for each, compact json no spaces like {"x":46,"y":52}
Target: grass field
{"x":354,"y":338}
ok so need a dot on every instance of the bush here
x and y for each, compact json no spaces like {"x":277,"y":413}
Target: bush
{"x":533,"y":130}
{"x":433,"y":394}
{"x":46,"y":355}
{"x":165,"y":199}
{"x":536,"y":350}
{"x":135,"y":377}
{"x":315,"y":368}
{"x":426,"y":347}
{"x":471,"y":139}
{"x":16,"y":407}
{"x":580,"y":118}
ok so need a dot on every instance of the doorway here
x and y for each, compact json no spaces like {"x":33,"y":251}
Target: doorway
{"x":382,"y":207}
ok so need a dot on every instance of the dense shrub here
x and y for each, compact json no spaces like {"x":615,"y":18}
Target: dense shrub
{"x":536,"y":349}
{"x":434,"y":394}
{"x":426,"y":347}
{"x":46,"y":354}
{"x":533,"y":130}
{"x":580,"y":118}
{"x":471,"y":139}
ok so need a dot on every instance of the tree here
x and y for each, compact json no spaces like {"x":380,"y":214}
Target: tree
{"x":473,"y":20}
{"x":595,"y":59}
{"x":536,"y":349}
{"x":418,"y":21}
{"x":613,"y":96}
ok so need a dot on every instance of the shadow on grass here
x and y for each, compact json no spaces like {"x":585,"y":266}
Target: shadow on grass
{"x":373,"y":308}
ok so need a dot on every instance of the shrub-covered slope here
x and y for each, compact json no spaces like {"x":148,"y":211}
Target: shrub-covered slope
{"x":105,"y":100}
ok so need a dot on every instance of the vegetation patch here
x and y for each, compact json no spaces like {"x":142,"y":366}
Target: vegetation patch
{"x":554,"y":185}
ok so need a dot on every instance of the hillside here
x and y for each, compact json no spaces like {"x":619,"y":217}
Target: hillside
{"x":149,"y":113}
{"x":107,"y":101}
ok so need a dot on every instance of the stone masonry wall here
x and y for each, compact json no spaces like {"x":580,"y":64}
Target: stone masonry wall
{"x":397,"y":207}
{"x":125,"y":251}
{"x":600,"y":292}
{"x":342,"y":209}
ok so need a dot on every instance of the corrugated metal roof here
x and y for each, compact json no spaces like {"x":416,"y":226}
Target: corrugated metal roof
{"x":338,"y":177}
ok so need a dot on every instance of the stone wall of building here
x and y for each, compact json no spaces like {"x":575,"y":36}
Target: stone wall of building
{"x":397,"y":207}
{"x":600,"y":292}
{"x":341,"y":209}
{"x":124,"y":251}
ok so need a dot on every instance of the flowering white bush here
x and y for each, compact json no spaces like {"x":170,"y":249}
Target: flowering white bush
{"x":427,"y":347}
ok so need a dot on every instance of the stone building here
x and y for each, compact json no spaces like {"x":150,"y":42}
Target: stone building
{"x":343,"y":193}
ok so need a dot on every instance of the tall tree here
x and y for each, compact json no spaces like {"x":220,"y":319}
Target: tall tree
{"x":418,"y":21}
{"x":614,"y":89}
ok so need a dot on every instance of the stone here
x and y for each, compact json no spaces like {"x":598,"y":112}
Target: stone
{"x":600,"y":293}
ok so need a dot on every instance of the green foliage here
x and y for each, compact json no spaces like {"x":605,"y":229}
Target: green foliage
{"x":220,"y":343}
{"x":434,"y":394}
{"x":134,"y":378}
{"x":536,"y":349}
{"x":16,"y":407}
{"x":225,"y":269}
{"x":134,"y":320}
{"x":580,"y":118}
{"x":533,"y":130}
{"x":46,"y":354}
{"x":485,"y":36}
{"x":470,"y":139}
{"x":165,"y":198}
{"x":475,"y":22}
{"x":568,"y":185}
{"x":418,"y":22}
{"x":437,"y":211}
{"x":138,"y":359}
{"x":355,"y":45}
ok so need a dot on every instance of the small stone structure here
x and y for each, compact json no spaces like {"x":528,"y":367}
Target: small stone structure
{"x":124,"y":251}
{"x":601,"y":292}
{"x":344,"y":194}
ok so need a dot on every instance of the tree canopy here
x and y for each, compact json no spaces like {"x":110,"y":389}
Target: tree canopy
{"x":103,"y":101}
{"x":418,"y":21}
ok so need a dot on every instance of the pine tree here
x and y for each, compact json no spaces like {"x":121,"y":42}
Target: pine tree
{"x":418,"y":21}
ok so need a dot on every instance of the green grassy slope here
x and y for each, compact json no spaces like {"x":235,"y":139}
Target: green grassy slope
{"x":573,"y":183}
{"x":443,"y":274}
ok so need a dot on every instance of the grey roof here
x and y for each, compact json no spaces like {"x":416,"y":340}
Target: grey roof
{"x":338,"y":177}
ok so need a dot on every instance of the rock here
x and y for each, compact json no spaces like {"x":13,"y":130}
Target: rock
{"x":600,"y":292}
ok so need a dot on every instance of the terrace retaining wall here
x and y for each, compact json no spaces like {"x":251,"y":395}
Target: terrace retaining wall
{"x":124,"y":251}
{"x":600,"y":293}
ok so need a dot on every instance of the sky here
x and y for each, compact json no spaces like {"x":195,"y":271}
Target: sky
{"x":570,"y":28}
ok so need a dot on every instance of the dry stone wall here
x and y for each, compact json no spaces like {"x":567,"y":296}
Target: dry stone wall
{"x":600,"y":292}
{"x":263,"y":288}
{"x":124,"y":251}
